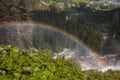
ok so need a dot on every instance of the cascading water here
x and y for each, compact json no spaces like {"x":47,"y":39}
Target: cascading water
{"x":111,"y":50}
{"x":16,"y":35}
{"x":40,"y":36}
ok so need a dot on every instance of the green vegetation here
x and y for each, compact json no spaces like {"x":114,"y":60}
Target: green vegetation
{"x":115,"y":26}
{"x":34,"y":64}
{"x":14,"y":10}
{"x":19,"y":64}
{"x":87,"y":23}
{"x":76,"y":25}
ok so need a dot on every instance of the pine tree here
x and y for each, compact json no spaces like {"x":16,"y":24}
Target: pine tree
{"x":24,"y":9}
{"x":115,"y":27}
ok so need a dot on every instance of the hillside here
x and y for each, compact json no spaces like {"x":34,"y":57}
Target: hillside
{"x":91,"y":27}
{"x":33,"y":64}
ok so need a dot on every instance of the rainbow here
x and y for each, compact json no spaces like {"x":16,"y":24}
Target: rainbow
{"x":91,"y":51}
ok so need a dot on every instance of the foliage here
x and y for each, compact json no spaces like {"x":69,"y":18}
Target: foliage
{"x":84,"y":22}
{"x":14,"y":10}
{"x":19,"y":64}
{"x":34,"y":64}
{"x":115,"y":26}
{"x":76,"y":25}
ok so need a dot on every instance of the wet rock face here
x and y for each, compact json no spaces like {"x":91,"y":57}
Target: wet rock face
{"x":16,"y":35}
{"x":37,"y":36}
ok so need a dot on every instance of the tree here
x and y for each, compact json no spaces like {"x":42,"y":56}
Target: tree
{"x":115,"y":27}
{"x":14,"y":10}
{"x":24,"y":9}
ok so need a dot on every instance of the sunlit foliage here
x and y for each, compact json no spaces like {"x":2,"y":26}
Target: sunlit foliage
{"x":33,"y":64}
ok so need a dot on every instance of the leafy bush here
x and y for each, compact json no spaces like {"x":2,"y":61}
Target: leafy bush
{"x":20,"y":64}
{"x":34,"y":64}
